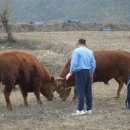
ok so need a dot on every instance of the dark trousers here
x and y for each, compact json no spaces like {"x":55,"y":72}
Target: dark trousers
{"x":84,"y":89}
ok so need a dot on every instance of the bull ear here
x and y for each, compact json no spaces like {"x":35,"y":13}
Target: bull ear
{"x":52,"y":79}
{"x":54,"y":84}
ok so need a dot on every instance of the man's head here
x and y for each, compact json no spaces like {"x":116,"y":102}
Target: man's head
{"x":81,"y":42}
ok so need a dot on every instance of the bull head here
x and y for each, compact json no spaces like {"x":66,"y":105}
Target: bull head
{"x":60,"y":83}
{"x":48,"y":88}
{"x":61,"y":88}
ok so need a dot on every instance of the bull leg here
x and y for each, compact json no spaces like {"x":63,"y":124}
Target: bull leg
{"x":37,"y":94}
{"x":74,"y":97}
{"x":121,"y":83}
{"x":7,"y":91}
{"x":24,"y":94}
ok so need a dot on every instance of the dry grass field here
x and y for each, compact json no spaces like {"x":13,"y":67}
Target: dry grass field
{"x":53,"y":49}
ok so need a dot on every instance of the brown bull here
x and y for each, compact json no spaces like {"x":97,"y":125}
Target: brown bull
{"x":24,"y":69}
{"x":110,"y":64}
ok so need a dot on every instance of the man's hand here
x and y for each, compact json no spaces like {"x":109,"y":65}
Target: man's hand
{"x":68,"y":76}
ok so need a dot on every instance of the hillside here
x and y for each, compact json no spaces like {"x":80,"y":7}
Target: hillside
{"x":116,"y":11}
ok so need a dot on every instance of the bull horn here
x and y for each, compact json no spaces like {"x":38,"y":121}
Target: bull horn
{"x":59,"y":78}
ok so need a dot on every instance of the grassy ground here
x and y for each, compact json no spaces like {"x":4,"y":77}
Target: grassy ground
{"x":53,"y":49}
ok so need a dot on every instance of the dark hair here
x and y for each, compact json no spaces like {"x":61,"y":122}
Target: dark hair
{"x":82,"y":41}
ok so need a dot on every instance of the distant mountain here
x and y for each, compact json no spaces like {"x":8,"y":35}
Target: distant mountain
{"x":86,"y":10}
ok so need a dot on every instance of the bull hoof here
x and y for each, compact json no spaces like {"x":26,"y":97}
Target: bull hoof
{"x":40,"y":103}
{"x":10,"y":109}
{"x":9,"y":106}
{"x":25,"y":105}
{"x":73,"y":100}
{"x":117,"y":97}
{"x":63,"y":100}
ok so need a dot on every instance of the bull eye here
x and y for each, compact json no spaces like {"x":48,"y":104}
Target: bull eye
{"x":60,"y":88}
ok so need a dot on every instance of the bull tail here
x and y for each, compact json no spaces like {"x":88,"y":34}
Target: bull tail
{"x":14,"y":88}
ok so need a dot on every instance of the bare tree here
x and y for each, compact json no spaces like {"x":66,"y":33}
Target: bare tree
{"x":4,"y":18}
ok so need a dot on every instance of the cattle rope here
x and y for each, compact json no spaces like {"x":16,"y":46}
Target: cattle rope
{"x":63,"y":92}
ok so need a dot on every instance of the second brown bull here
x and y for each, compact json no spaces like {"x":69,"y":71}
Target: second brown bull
{"x":110,"y":64}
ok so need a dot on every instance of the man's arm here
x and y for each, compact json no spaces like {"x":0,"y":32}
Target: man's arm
{"x":74,"y":61}
{"x":73,"y":64}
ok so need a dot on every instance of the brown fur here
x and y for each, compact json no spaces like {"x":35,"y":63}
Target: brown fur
{"x":24,"y":69}
{"x":110,"y":64}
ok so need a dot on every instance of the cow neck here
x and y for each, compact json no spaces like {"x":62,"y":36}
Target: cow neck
{"x":65,"y":69}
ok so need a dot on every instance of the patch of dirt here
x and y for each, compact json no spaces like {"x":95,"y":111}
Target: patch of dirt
{"x":108,"y":113}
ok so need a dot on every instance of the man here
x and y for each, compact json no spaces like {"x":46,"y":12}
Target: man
{"x":128,"y":94}
{"x":83,"y":66}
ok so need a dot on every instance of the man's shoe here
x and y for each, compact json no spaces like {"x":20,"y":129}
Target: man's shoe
{"x":89,"y":112}
{"x":79,"y":113}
